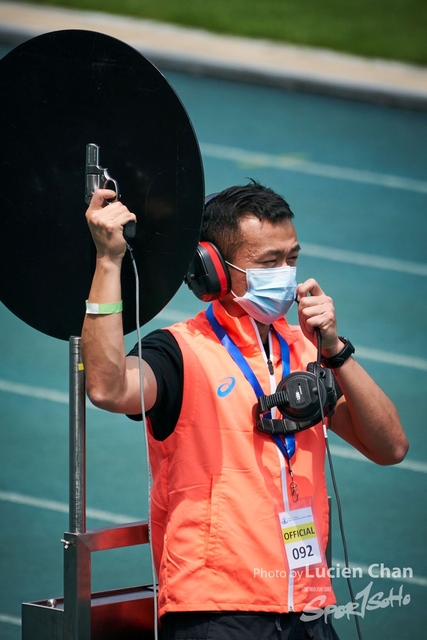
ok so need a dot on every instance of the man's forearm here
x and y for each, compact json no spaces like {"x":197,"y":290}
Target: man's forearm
{"x":367,"y":419}
{"x":103,"y":347}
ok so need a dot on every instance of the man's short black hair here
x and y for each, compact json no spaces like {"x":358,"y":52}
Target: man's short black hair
{"x":223,"y":213}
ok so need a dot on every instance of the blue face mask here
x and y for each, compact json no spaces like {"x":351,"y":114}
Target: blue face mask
{"x":271,"y":292}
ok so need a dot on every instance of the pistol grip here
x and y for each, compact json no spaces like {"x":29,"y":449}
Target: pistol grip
{"x":129,"y":230}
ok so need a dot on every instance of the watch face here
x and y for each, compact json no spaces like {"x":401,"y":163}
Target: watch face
{"x":60,"y":92}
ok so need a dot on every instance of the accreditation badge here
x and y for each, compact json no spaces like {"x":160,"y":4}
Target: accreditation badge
{"x":300,"y":537}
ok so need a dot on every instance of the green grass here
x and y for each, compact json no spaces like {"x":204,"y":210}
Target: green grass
{"x":390,"y":29}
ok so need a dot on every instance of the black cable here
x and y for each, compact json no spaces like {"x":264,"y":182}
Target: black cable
{"x":334,"y":483}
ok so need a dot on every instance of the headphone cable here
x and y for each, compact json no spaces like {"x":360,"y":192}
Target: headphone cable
{"x":334,"y":482}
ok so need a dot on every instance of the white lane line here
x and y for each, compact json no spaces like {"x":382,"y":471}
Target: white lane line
{"x":363,"y":259}
{"x":62,"y":507}
{"x":10,"y":619}
{"x":293,"y":163}
{"x":34,"y":392}
{"x":396,"y":359}
{"x":42,"y":393}
{"x":342,"y":451}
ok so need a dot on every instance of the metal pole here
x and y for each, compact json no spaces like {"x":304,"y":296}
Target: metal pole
{"x":77,"y":439}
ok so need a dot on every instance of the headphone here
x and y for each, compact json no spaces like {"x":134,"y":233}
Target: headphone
{"x":303,"y":398}
{"x":207,"y":275}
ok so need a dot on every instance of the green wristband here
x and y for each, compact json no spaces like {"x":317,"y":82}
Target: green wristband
{"x":104,"y":309}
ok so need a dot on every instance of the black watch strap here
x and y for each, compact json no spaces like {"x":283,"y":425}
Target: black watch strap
{"x":338,"y":360}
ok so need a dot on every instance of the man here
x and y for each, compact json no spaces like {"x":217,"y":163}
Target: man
{"x":239,"y":519}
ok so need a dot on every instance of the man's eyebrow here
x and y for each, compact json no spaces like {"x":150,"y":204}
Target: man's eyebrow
{"x":275,"y":253}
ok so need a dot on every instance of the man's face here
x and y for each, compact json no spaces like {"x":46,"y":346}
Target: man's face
{"x":263,"y":245}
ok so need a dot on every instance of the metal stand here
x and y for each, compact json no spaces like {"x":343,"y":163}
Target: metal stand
{"x":81,"y":615}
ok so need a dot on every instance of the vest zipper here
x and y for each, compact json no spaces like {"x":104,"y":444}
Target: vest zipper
{"x":273,"y":386}
{"x":268,"y":361}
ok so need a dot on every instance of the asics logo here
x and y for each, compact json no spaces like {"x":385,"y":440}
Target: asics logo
{"x":226,"y":386}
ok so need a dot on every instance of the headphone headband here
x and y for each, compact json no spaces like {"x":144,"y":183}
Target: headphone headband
{"x":210,"y":197}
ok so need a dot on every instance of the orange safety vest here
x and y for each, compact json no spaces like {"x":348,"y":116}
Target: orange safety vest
{"x":217,"y":485}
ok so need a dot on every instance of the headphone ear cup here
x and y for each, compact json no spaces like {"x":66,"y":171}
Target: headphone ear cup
{"x":208,"y":276}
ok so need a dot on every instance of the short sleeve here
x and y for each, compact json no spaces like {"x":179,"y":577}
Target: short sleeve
{"x":161,"y":351}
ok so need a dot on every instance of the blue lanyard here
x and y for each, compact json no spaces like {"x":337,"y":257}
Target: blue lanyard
{"x":286,"y":444}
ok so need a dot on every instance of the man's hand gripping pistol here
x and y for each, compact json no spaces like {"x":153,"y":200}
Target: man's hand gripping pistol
{"x":98,"y":178}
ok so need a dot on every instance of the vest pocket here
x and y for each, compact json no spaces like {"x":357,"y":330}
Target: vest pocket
{"x":213,"y":521}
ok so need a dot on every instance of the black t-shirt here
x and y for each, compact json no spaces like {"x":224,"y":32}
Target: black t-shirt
{"x":161,"y":351}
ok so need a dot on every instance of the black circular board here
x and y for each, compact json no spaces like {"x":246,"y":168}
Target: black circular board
{"x":59,"y":92}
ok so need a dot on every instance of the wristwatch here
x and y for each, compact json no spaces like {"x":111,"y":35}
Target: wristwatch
{"x":338,"y":360}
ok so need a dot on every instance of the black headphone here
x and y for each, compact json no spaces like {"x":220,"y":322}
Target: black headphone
{"x":303,"y":398}
{"x":208,"y":276}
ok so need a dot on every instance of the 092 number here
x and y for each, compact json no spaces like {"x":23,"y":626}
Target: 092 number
{"x":302,"y":552}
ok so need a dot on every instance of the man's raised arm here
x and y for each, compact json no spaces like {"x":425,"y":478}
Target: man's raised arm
{"x":112,"y":379}
{"x":365,"y":417}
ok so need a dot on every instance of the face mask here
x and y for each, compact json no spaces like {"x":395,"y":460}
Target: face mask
{"x":271,"y":292}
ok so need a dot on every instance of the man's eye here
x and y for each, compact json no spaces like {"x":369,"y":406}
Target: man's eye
{"x":292,"y":260}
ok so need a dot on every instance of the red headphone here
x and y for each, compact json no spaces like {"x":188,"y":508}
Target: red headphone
{"x":208,"y":276}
